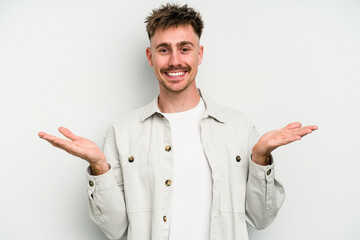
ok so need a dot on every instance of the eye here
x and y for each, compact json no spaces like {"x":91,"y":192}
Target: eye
{"x":185,"y":49}
{"x":163,"y":50}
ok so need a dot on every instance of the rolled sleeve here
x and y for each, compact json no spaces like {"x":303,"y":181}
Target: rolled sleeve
{"x":100,"y":182}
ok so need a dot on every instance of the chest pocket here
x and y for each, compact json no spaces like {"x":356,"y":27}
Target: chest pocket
{"x":137,"y":181}
{"x":233,"y":182}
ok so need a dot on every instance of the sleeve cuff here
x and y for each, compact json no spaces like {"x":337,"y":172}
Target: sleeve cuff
{"x":100,"y":182}
{"x":262,"y":172}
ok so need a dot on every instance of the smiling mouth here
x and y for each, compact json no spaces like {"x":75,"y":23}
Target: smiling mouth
{"x":175,"y":74}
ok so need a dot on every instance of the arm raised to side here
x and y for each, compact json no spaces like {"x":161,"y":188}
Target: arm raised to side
{"x":105,"y":186}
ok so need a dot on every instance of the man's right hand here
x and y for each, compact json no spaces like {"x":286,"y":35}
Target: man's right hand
{"x":80,"y":147}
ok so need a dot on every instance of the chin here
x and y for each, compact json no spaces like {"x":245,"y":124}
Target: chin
{"x":176,"y":89}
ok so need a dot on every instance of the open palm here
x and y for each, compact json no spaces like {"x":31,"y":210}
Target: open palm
{"x":279,"y":137}
{"x":77,"y":146}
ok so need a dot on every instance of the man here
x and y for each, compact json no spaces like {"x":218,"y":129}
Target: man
{"x":181,"y":167}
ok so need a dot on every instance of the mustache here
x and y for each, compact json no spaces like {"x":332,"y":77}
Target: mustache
{"x":186,"y":68}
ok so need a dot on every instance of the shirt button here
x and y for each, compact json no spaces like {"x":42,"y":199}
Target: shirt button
{"x":91,"y":183}
{"x":168,"y":182}
{"x":168,"y":148}
{"x":238,"y":158}
{"x":131,"y":159}
{"x":268,"y":172}
{"x":164,"y":218}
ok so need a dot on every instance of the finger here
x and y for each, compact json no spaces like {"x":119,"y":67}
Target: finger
{"x":301,"y":132}
{"x":313,"y":127}
{"x":41,"y":134}
{"x":50,"y":139}
{"x":62,"y":148}
{"x":46,"y":136}
{"x":293,"y":125}
{"x":67,"y":145}
{"x":67,"y":133}
{"x":71,"y":148}
{"x":57,"y":142}
{"x":52,"y":143}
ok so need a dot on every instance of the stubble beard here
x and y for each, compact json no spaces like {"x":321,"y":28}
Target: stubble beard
{"x":169,"y":89}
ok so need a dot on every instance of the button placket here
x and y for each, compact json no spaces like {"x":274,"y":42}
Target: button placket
{"x":167,"y":172}
{"x":269,"y":187}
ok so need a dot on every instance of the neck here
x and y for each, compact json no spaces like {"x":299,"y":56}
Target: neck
{"x":171,"y":102}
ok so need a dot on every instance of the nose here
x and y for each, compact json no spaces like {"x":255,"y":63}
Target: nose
{"x":174,"y":59}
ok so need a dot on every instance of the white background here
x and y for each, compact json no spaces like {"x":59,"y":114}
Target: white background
{"x":81,"y":64}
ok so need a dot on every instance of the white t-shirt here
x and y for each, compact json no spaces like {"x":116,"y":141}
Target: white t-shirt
{"x":192,"y":184}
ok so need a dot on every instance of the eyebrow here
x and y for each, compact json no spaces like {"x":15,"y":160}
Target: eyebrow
{"x":182,"y":43}
{"x":163,"y":45}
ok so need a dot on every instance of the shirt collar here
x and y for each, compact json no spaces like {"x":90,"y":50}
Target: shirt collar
{"x":213,"y":110}
{"x":151,"y":109}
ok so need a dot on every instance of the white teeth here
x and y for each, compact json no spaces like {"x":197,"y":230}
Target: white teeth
{"x":176,"y":74}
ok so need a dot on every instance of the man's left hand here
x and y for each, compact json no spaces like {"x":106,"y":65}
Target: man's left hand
{"x":276,"y":138}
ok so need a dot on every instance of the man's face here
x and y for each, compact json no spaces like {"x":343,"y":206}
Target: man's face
{"x":175,"y":54}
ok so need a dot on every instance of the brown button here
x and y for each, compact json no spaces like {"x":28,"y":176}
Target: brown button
{"x":131,"y":159}
{"x":268,"y":172}
{"x":168,"y":182}
{"x":238,"y":158}
{"x":164,"y":218}
{"x":91,"y":183}
{"x":168,"y":148}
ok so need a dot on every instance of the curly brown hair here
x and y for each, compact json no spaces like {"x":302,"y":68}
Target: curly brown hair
{"x":173,"y":15}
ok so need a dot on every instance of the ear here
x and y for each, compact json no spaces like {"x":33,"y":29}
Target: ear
{"x":200,"y":55}
{"x":149,"y":56}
